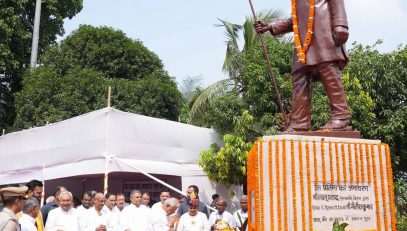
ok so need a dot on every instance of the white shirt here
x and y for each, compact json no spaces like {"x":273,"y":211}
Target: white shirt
{"x":243,"y":217}
{"x":112,"y":222}
{"x":226,"y":217}
{"x":136,"y":218}
{"x":93,"y":219}
{"x":81,"y":211}
{"x":159,"y":219}
{"x":199,"y":222}
{"x":59,"y":219}
{"x":27,"y":223}
{"x":156,"y":205}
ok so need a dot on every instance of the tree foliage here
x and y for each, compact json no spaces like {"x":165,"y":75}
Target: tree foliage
{"x":74,"y":80}
{"x":16,"y":26}
{"x":103,"y":49}
{"x":50,"y":97}
{"x":227,"y":164}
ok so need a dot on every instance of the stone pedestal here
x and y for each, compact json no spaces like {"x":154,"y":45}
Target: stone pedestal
{"x":306,"y":182}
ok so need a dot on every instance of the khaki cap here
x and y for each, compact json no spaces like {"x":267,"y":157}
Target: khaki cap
{"x":14,"y":191}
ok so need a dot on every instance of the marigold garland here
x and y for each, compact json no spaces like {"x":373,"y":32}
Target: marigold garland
{"x":279,"y":222}
{"x":376,"y":190}
{"x":302,"y":48}
{"x":302,"y":186}
{"x":344,"y":164}
{"x":338,"y":168}
{"x":350,"y":163}
{"x":293,"y":182}
{"x":307,"y":156}
{"x":271,"y":184}
{"x":331,"y":162}
{"x":357,"y":163}
{"x":251,"y":183}
{"x":284,"y":155}
{"x":261,"y":188}
{"x":391,"y":189}
{"x":362,"y":163}
{"x":386,"y":222}
{"x":323,"y":162}
{"x":314,"y":148}
{"x":369,"y":165}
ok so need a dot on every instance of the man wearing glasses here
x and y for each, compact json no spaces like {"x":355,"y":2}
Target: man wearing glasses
{"x":13,"y":200}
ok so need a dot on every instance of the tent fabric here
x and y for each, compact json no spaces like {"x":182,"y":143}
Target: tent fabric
{"x":82,"y":145}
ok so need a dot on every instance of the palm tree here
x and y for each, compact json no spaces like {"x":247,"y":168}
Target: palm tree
{"x":232,"y":64}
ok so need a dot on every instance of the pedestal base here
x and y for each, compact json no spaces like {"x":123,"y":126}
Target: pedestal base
{"x":340,"y":134}
{"x":307,"y":180}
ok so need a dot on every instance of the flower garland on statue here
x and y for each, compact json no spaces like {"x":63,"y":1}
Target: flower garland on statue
{"x":302,"y":48}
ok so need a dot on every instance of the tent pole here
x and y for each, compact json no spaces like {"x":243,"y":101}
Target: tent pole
{"x":106,"y":178}
{"x":158,"y":180}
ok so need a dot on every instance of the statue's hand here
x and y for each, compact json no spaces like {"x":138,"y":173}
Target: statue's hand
{"x":261,"y":26}
{"x":341,"y":35}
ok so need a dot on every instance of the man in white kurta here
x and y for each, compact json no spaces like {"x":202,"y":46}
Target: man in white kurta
{"x":95,"y":218}
{"x":163,"y":217}
{"x":64,"y":217}
{"x":30,"y":211}
{"x":135,"y":217}
{"x":221,"y":214}
{"x":193,"y":220}
{"x":81,"y":209}
{"x":112,"y":212}
{"x":164,"y":195}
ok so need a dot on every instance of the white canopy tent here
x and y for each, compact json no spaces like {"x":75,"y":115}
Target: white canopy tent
{"x":107,"y":140}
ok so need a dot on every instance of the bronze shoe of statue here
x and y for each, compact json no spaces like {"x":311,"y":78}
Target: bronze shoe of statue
{"x":337,"y":125}
{"x":292,"y":130}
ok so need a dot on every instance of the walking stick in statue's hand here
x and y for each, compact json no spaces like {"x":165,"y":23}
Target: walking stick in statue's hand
{"x":270,"y":69}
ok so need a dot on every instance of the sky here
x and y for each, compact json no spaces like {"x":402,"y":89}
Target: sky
{"x":183,"y":32}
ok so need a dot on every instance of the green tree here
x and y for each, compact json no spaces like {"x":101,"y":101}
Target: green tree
{"x":16,"y":26}
{"x":50,"y":97}
{"x":383,"y":76}
{"x":106,"y":50}
{"x":227,"y":164}
{"x":75,"y":75}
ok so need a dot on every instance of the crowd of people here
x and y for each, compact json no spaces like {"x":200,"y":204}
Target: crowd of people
{"x":109,"y":212}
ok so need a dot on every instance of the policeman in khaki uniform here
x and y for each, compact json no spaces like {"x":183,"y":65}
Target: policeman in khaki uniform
{"x":13,"y":200}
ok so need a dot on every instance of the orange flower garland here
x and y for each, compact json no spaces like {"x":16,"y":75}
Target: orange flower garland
{"x":323,"y":162}
{"x":350,"y":163}
{"x":251,"y":181}
{"x":285,"y":185}
{"x":391,"y":188}
{"x":344,"y":164}
{"x":376,"y":190}
{"x":386,"y":222}
{"x":308,"y":158}
{"x":338,"y":170}
{"x":261,"y":187}
{"x":279,"y":222}
{"x":331,"y":162}
{"x":271,"y":184}
{"x":304,"y":225}
{"x":293,"y":182}
{"x":368,"y":156}
{"x":314,"y":148}
{"x":302,"y":48}
{"x":362,"y":163}
{"x":355,"y":146}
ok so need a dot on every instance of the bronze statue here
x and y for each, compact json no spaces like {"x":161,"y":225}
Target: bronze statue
{"x":319,"y":54}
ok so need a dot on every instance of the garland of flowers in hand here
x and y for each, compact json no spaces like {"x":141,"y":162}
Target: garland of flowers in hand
{"x":302,"y":48}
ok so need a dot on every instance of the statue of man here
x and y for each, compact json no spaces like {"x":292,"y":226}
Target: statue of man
{"x":320,"y":33}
